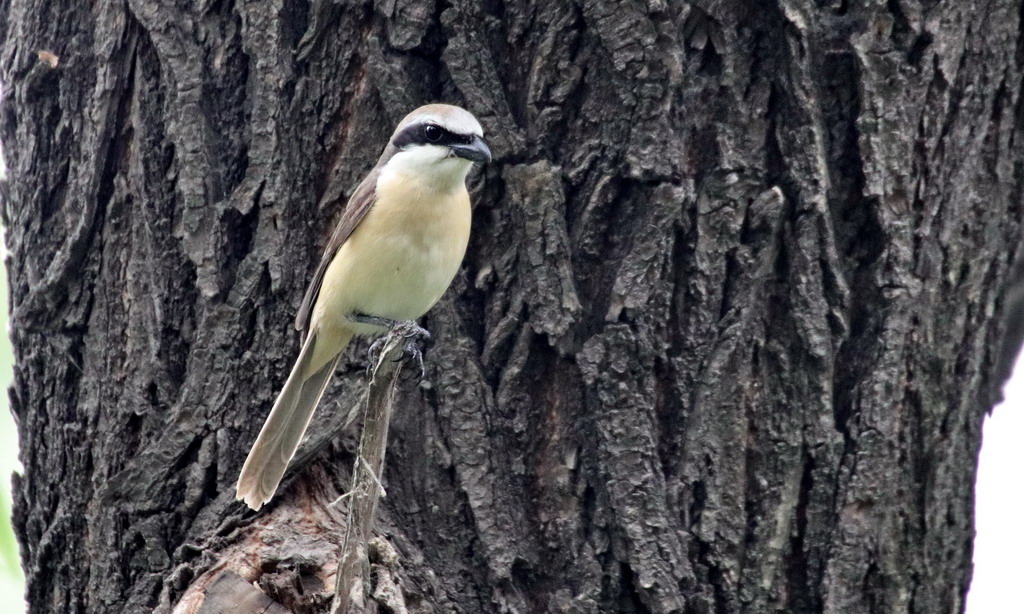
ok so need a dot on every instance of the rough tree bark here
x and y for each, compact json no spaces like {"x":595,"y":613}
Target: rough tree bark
{"x":731,"y":317}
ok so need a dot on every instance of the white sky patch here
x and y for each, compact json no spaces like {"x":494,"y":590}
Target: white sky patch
{"x":999,"y":506}
{"x":12,"y":590}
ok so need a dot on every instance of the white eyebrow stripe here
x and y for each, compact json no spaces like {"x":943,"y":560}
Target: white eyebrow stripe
{"x":453,"y":119}
{"x":458,"y":127}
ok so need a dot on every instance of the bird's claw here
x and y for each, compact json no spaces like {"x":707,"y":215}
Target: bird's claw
{"x":409,"y":329}
{"x":374,"y":353}
{"x":413,"y":352}
{"x":406,"y":330}
{"x":415,"y":334}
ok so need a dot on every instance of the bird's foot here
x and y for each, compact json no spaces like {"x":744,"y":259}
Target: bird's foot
{"x":407,"y":329}
{"x":415,"y":335}
{"x":374,"y":353}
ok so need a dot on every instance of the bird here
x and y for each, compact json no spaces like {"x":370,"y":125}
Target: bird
{"x":394,"y":252}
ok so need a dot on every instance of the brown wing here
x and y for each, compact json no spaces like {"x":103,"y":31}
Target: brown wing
{"x":361,"y":201}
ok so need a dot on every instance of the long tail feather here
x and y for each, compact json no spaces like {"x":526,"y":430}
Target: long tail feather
{"x":281,"y":433}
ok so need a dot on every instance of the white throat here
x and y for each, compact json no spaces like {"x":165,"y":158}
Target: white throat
{"x":430,"y":166}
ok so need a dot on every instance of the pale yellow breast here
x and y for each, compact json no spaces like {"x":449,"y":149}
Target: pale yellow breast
{"x":401,"y":258}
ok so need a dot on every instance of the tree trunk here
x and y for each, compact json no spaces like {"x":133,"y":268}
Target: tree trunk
{"x":731,"y":316}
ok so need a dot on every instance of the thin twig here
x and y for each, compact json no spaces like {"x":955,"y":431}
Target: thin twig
{"x":353,"y":576}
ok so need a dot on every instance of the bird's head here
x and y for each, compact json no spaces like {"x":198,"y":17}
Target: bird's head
{"x":439,"y":141}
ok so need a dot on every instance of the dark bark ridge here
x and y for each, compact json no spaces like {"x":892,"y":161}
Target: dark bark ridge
{"x":732,"y":313}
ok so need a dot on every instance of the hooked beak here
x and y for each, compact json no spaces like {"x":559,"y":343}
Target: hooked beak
{"x":476,"y":151}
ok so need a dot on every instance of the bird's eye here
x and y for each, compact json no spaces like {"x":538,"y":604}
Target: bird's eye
{"x":433,"y":133}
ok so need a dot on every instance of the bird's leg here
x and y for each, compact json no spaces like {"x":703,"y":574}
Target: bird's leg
{"x":374,"y":352}
{"x":376,"y":346}
{"x":407,"y":329}
{"x":414,"y":333}
{"x":362,"y":318}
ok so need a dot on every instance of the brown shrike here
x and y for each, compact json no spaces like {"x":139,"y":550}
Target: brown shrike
{"x":394,"y":253}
